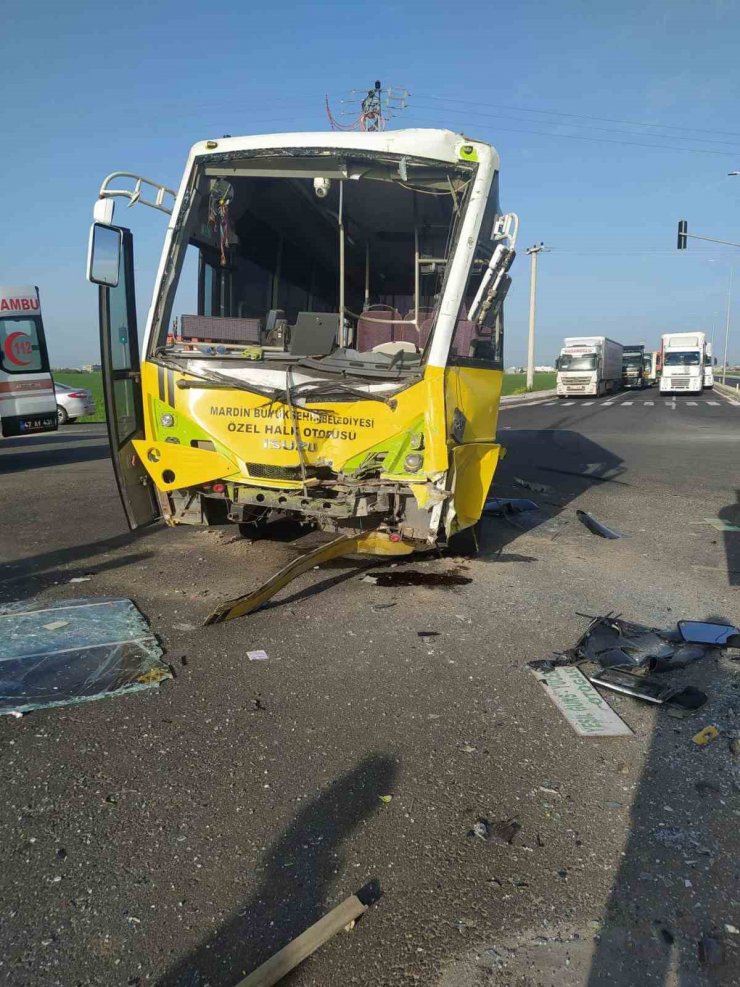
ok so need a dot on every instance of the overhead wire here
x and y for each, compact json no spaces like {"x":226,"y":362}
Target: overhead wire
{"x":581,"y":116}
{"x":582,"y":137}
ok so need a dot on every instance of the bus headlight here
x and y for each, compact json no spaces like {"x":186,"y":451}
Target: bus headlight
{"x":413,"y":462}
{"x":167,"y":420}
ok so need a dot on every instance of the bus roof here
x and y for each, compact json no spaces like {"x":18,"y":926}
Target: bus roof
{"x":439,"y":145}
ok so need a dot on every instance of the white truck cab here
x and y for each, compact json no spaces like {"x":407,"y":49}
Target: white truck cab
{"x":589,"y":366}
{"x":684,"y":356}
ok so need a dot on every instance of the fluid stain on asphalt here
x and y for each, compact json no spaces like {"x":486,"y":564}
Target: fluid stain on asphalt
{"x":412,"y":577}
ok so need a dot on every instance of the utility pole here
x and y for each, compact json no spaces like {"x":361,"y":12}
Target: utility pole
{"x":727,"y":327}
{"x":532,"y":251}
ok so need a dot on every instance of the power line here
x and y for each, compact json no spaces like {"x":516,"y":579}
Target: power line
{"x":602,"y":130}
{"x":581,"y":116}
{"x":596,"y":140}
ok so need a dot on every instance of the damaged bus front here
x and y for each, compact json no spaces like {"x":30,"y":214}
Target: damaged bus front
{"x":325,"y":338}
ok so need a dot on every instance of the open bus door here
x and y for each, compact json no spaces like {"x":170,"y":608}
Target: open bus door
{"x":111,"y":267}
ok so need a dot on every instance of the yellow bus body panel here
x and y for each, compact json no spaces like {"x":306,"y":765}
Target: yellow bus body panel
{"x":247,"y":433}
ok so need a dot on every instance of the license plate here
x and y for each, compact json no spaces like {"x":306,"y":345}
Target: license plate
{"x":37,"y":424}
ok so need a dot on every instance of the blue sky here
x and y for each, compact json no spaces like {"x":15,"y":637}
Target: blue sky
{"x":89,"y":89}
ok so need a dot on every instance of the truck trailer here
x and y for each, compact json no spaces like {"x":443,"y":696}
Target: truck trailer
{"x":589,"y":365}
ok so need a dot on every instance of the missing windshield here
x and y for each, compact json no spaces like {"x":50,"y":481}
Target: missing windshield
{"x":292,"y":259}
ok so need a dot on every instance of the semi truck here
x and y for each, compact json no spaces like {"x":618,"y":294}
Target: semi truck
{"x":633,"y":366}
{"x":683,"y":358}
{"x":589,"y":365}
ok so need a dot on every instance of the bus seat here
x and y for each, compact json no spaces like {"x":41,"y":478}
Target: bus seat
{"x":375,"y":326}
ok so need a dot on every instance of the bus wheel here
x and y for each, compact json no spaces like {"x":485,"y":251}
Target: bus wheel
{"x":62,"y":416}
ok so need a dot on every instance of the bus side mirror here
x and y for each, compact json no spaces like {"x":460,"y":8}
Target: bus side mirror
{"x":104,"y":255}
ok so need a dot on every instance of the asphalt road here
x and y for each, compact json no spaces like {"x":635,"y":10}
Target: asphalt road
{"x":181,"y":836}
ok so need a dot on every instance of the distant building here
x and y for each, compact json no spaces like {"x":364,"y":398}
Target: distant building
{"x":91,"y":368}
{"x":544,"y":370}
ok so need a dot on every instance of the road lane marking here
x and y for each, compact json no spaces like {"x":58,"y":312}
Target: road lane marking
{"x":626,"y":404}
{"x":606,"y":404}
{"x":568,"y":404}
{"x":549,"y":404}
{"x":649,"y":404}
{"x":691,"y":403}
{"x":715,"y":403}
{"x":587,"y":404}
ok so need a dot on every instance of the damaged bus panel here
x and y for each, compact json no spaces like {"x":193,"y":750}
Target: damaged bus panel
{"x":325,"y":337}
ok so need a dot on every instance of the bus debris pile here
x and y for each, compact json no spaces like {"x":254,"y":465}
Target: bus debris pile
{"x":75,"y":651}
{"x":626,"y":654}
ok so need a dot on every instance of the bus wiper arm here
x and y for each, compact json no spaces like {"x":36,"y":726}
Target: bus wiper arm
{"x":330,"y":387}
{"x":214,"y":380}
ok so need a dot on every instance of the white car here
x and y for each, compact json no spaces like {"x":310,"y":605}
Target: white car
{"x":73,"y":402}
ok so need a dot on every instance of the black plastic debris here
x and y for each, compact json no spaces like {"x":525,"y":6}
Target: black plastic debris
{"x":687,"y":699}
{"x":596,"y":527}
{"x":708,"y":632}
{"x":499,"y":506}
{"x":683,"y":655}
{"x":501,"y":832}
{"x":649,"y":688}
{"x":613,"y":642}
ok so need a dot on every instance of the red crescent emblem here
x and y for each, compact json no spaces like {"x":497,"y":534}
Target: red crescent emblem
{"x":9,"y":346}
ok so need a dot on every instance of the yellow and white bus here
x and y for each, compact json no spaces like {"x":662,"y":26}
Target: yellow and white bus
{"x":325,"y":338}
{"x":27,"y":401}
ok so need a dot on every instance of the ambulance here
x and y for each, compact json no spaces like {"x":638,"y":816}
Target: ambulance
{"x":27,"y":401}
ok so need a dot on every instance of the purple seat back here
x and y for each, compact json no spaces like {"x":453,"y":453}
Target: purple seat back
{"x":375,"y":326}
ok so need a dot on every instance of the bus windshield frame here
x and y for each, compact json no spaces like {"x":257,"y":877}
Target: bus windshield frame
{"x":437,"y":194}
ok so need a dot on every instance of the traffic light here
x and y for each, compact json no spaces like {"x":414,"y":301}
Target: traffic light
{"x":683,"y":228}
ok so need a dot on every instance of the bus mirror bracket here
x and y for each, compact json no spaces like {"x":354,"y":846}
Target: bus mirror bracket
{"x":161,"y":197}
{"x":103,"y":211}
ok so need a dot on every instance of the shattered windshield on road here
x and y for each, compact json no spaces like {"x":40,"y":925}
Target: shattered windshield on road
{"x":681,"y":358}
{"x":583,"y":361}
{"x":334,"y":260}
